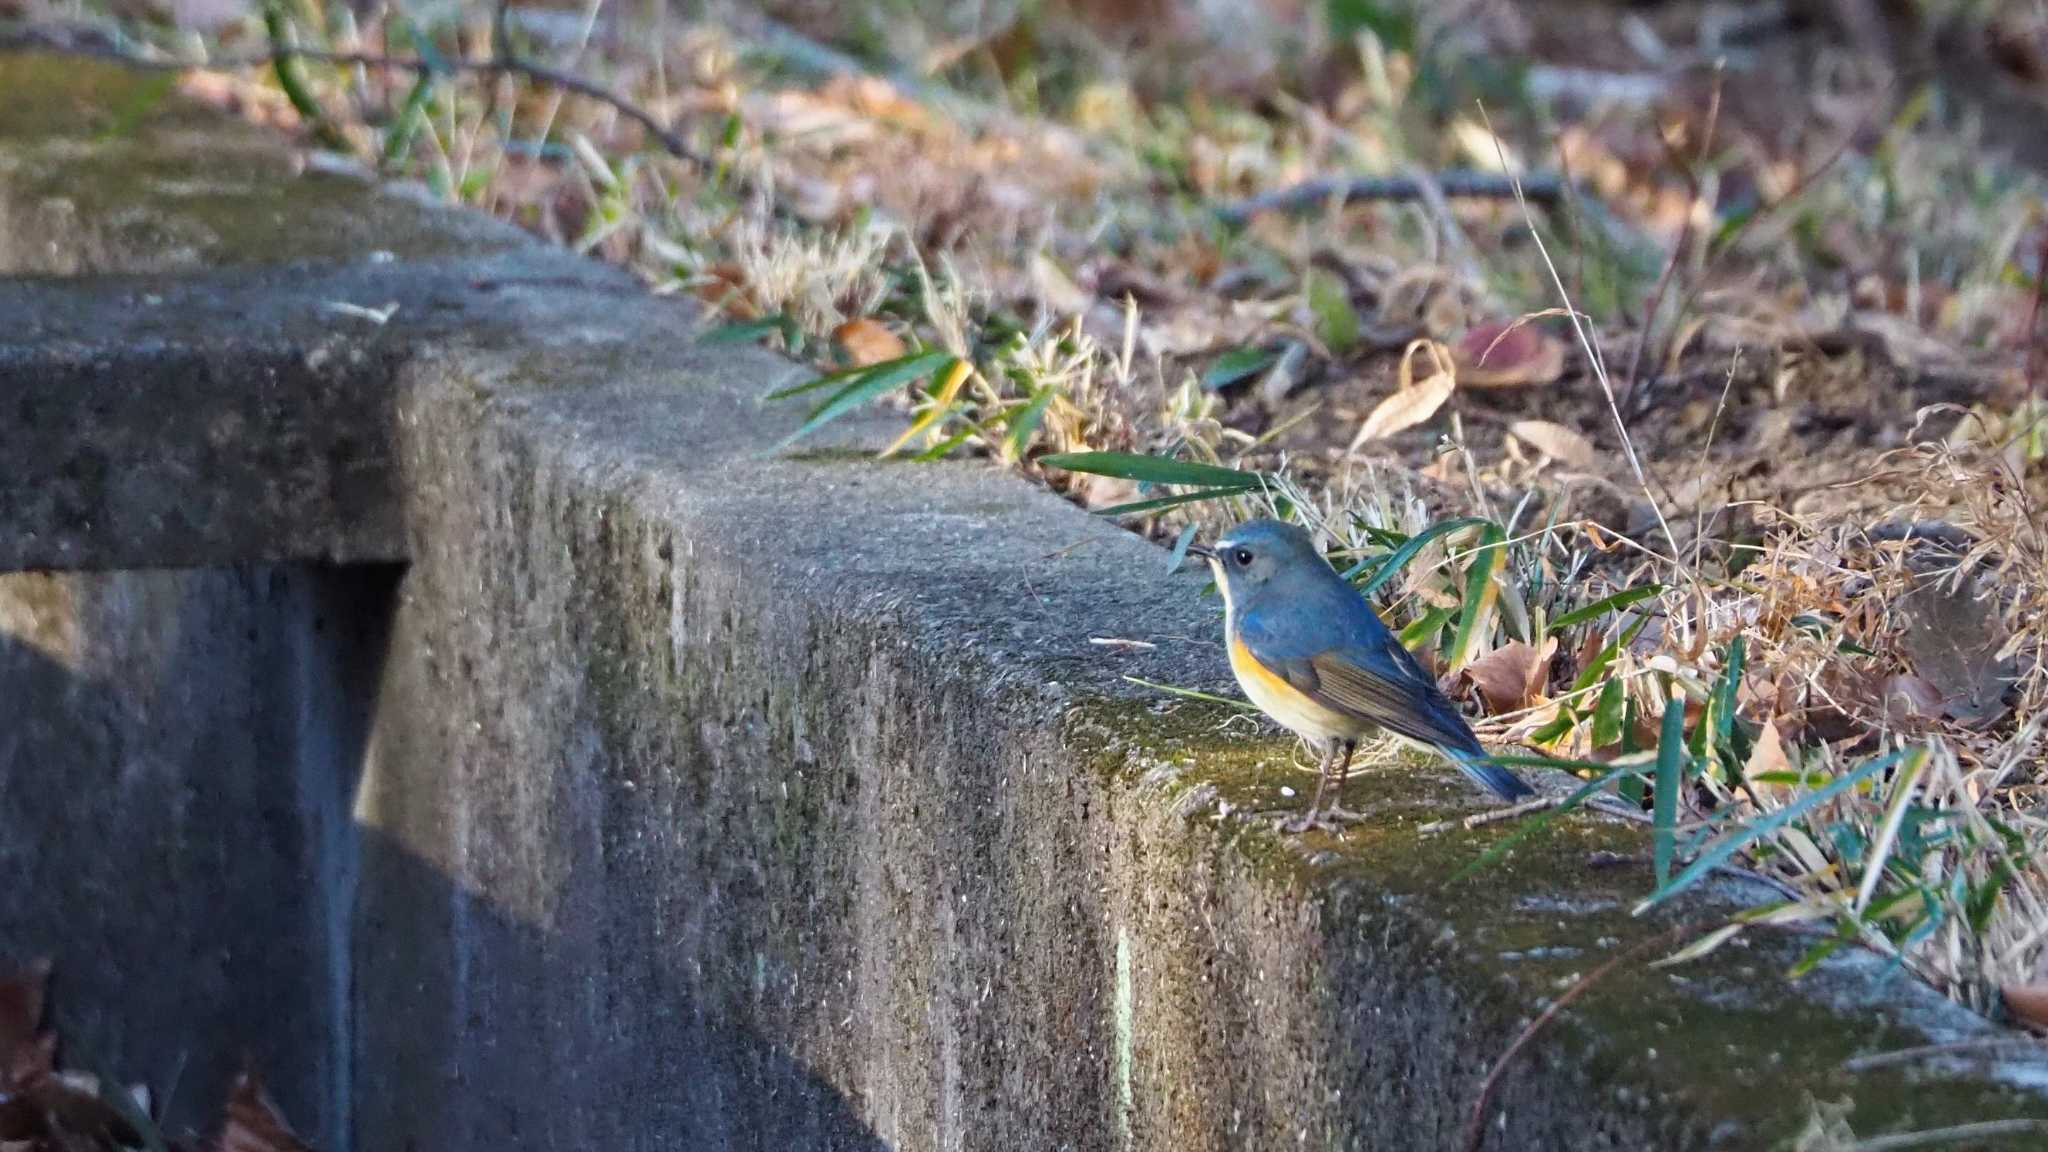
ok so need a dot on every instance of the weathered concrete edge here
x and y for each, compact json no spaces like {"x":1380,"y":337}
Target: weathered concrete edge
{"x":1215,"y":986}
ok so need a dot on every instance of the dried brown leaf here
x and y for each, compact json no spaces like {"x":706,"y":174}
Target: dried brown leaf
{"x":1953,"y":639}
{"x":1557,"y":442}
{"x":1911,"y":698}
{"x":1107,"y":491}
{"x":1512,"y":676}
{"x":25,"y":1053}
{"x":1415,"y":400}
{"x":1506,"y":354}
{"x":866,"y":341}
{"x":253,"y":1123}
{"x":2028,"y":1003}
{"x":1767,"y":755}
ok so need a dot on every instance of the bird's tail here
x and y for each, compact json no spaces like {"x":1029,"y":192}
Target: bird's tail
{"x":1489,"y":775}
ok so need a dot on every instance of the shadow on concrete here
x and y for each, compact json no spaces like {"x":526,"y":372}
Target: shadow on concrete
{"x":179,"y":756}
{"x":491,"y":1033}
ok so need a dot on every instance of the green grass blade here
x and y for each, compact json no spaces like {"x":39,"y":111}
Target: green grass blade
{"x":1377,"y":570}
{"x":1670,"y":767}
{"x":1017,"y":437}
{"x":1175,"y":501}
{"x":746,"y":332}
{"x":1607,"y":714}
{"x":1337,"y":324}
{"x":1610,"y":774}
{"x":1236,"y":365}
{"x":1481,"y":594}
{"x":874,"y":381}
{"x":1603,"y":606}
{"x":1191,"y":694}
{"x":1425,"y":627}
{"x":1715,"y":854}
{"x":1153,"y":469}
{"x":398,"y":143}
{"x":828,"y":380}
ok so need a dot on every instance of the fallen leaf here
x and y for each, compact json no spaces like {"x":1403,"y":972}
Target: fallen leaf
{"x":866,"y":341}
{"x":1557,"y":442}
{"x":1505,"y":354}
{"x":253,"y":1123}
{"x":1953,"y":640}
{"x":1413,"y":401}
{"x":1767,"y":755}
{"x":25,"y":1053}
{"x":1511,"y":677}
{"x":1909,"y":698}
{"x":1404,"y":409}
{"x":2028,"y":1003}
{"x":1107,"y":491}
{"x":1336,"y":321}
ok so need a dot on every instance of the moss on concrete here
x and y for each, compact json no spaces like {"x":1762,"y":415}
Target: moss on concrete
{"x":105,"y":169}
{"x":1729,"y":1039}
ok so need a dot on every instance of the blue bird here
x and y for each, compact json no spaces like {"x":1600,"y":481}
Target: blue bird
{"x":1309,"y":651}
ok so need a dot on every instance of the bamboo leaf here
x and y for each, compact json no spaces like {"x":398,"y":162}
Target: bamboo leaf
{"x":1603,"y":606}
{"x":951,"y":378}
{"x":1237,"y":364}
{"x":1481,"y":594}
{"x":1670,"y":767}
{"x":1378,"y":570}
{"x":1726,"y":846}
{"x":868,"y":384}
{"x":1153,"y":469}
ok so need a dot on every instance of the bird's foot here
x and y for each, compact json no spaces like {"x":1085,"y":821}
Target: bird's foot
{"x":1332,"y":819}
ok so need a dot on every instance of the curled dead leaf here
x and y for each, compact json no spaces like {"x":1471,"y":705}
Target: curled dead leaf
{"x":1107,"y":491}
{"x":25,"y":1053}
{"x":1557,"y":442}
{"x":1911,"y":698}
{"x":1511,"y":677}
{"x":1413,"y":401}
{"x":1508,"y":354}
{"x":253,"y":1123}
{"x":866,"y":341}
{"x":2028,"y":1003}
{"x":1767,"y":755}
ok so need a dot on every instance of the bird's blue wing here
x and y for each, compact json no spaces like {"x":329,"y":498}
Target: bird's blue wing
{"x":1368,"y":674}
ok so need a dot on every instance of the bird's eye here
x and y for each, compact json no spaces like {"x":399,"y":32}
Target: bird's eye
{"x":1243,"y":556}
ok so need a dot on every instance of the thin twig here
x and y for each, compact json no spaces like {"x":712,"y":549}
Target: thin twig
{"x":1985,"y":1048}
{"x":1493,"y":816}
{"x":670,"y":141}
{"x":1953,"y":1134}
{"x":1596,"y":363}
{"x":1475,"y":1128}
{"x":1457,"y":184}
{"x":1678,"y":246}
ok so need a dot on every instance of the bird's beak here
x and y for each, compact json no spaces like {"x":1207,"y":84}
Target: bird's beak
{"x":1201,"y":552}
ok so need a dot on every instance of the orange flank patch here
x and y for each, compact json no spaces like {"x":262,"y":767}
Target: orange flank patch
{"x":1293,"y":708}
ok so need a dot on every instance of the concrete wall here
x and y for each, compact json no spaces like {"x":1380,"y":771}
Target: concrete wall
{"x":178,"y":754}
{"x":703,"y":796}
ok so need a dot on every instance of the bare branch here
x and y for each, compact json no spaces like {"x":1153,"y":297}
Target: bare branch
{"x":1460,"y":184}
{"x":92,"y":42}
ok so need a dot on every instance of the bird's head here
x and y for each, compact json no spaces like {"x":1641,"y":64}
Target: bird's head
{"x":1252,"y":555}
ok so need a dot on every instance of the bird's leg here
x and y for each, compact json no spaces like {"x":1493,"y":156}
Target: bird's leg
{"x":1336,"y":761}
{"x":1311,"y":819}
{"x":1337,"y":813}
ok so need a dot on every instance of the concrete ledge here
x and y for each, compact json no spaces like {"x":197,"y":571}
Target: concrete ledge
{"x":709,"y":797}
